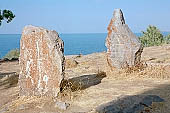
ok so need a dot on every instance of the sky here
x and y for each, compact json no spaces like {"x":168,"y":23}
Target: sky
{"x":85,"y":16}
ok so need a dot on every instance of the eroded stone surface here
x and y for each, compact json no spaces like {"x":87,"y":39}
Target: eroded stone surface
{"x":41,"y":62}
{"x":123,"y":47}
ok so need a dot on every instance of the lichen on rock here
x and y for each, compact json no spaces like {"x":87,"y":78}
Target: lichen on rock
{"x":123,"y":47}
{"x":41,"y":62}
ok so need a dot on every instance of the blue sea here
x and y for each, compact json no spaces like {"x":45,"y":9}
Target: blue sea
{"x":74,"y":44}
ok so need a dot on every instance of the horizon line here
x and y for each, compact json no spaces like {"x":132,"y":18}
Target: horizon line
{"x":76,"y":33}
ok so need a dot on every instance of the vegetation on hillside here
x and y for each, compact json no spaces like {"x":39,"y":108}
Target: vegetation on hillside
{"x":6,"y":15}
{"x":13,"y":54}
{"x":153,"y":37}
{"x":167,"y":39}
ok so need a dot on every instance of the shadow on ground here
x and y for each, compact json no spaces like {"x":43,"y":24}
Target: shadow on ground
{"x":152,"y":101}
{"x":156,"y":100}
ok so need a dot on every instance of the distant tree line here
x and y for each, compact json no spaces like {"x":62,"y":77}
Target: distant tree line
{"x":153,"y":37}
{"x":6,"y":15}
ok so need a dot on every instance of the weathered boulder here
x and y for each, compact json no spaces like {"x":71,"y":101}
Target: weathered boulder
{"x":41,"y":62}
{"x":123,"y":47}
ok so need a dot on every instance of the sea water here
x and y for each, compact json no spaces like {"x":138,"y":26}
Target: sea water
{"x":74,"y":44}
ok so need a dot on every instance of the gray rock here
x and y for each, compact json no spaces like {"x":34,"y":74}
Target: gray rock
{"x":41,"y":62}
{"x":123,"y":47}
{"x":61,"y":105}
{"x":21,"y":107}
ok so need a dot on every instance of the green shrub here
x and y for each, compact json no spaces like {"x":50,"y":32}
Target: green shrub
{"x":167,"y":39}
{"x":152,"y":37}
{"x":13,"y":54}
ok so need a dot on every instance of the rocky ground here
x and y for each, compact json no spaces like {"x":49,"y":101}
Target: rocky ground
{"x":93,"y":87}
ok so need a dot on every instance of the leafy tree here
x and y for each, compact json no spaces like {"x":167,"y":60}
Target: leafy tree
{"x":152,"y":37}
{"x":6,"y":15}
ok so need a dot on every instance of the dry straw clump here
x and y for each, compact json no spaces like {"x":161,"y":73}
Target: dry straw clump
{"x":137,"y":68}
{"x":68,"y":88}
{"x":24,"y":103}
{"x":129,"y":72}
{"x":156,"y":71}
{"x":71,"y":63}
{"x":143,"y":70}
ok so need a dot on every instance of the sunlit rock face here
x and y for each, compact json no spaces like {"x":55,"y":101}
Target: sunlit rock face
{"x":123,"y":47}
{"x":41,"y":62}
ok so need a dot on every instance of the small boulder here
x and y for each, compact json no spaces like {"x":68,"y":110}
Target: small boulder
{"x":61,"y":105}
{"x":70,"y":63}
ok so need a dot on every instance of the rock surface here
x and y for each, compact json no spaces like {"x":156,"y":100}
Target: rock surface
{"x":123,"y":47}
{"x":71,"y":63}
{"x":41,"y":62}
{"x":61,"y":105}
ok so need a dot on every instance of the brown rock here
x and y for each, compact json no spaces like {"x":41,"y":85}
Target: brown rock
{"x":41,"y":62}
{"x":123,"y":47}
{"x":71,"y":63}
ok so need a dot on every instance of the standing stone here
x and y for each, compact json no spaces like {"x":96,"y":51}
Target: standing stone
{"x":123,"y":47}
{"x":41,"y":62}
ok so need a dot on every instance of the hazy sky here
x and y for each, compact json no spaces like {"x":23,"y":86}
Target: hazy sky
{"x":85,"y":16}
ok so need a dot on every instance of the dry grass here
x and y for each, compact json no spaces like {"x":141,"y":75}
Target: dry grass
{"x":156,"y":71}
{"x":149,"y":71}
{"x":71,"y":88}
{"x":24,"y":103}
{"x":68,"y":88}
{"x":142,"y":71}
{"x":137,"y":68}
{"x":101,"y":74}
{"x":71,"y":63}
{"x":70,"y":85}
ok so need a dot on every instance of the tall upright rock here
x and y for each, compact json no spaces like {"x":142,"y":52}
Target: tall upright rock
{"x":41,"y":62}
{"x":123,"y":47}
